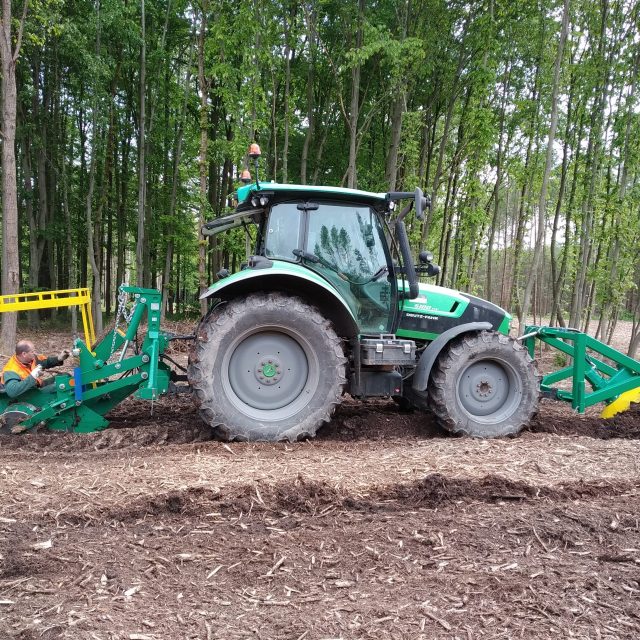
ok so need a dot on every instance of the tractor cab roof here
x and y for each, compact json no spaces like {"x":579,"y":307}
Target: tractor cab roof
{"x":261,"y":194}
{"x":254,"y":200}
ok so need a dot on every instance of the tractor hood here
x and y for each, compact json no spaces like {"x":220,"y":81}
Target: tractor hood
{"x":437,"y":309}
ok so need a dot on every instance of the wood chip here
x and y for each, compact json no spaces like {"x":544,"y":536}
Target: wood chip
{"x":440,"y":621}
{"x":38,"y":546}
{"x":343,"y":584}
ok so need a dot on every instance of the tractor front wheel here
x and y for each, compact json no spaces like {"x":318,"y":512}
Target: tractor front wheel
{"x":484,"y":385}
{"x":267,"y":367}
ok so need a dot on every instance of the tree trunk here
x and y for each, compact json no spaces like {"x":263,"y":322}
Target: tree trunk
{"x":204,"y":140}
{"x":142,"y":178}
{"x":399,"y":107}
{"x":310,"y":16}
{"x":557,"y":275}
{"x":33,"y":316}
{"x":542,"y":203}
{"x":498,"y":185}
{"x":354,"y":112}
{"x":10,"y":247}
{"x":68,"y":246}
{"x":168,"y":260}
{"x":591,"y":173}
{"x":399,"y":104}
{"x":289,"y":52}
{"x":94,"y":258}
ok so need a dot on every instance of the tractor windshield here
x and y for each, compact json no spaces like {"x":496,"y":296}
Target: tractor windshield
{"x":346,"y":245}
{"x":282,"y":233}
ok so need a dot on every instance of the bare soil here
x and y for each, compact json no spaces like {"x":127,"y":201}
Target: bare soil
{"x":382,"y":527}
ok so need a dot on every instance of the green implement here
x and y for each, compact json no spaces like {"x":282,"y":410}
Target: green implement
{"x":104,"y":375}
{"x":597,"y":373}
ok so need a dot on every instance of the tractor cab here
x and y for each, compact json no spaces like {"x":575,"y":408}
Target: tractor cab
{"x":341,"y":235}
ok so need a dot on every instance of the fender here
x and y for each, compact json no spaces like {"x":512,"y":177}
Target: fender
{"x":431,"y":353}
{"x":289,"y":278}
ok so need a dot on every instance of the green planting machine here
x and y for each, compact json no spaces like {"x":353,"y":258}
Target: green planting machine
{"x":330,"y":303}
{"x":104,"y":375}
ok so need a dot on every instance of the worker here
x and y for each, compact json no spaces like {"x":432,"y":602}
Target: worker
{"x":24,"y":369}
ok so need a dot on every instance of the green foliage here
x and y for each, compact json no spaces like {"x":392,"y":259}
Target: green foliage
{"x":474,"y":83}
{"x":560,"y":360}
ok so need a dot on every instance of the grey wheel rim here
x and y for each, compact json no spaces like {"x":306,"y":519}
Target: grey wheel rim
{"x":269,"y":373}
{"x":489,"y":390}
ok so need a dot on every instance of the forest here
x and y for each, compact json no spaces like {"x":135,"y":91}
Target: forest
{"x":125,"y":126}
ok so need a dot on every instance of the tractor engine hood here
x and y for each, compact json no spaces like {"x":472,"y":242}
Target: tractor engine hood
{"x":437,"y":309}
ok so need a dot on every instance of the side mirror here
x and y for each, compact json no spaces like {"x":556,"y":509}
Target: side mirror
{"x":421,"y":203}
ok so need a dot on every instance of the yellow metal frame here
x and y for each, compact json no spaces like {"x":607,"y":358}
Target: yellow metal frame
{"x":50,"y":299}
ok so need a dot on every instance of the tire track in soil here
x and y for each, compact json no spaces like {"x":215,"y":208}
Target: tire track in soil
{"x":175,"y":421}
{"x":526,"y":567}
{"x":310,"y":498}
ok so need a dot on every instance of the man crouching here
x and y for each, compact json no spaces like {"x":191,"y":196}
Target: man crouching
{"x":24,"y":369}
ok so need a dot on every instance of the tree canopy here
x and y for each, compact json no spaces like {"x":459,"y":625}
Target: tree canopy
{"x":520,"y":120}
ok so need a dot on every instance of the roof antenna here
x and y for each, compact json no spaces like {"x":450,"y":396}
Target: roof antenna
{"x":254,"y":154}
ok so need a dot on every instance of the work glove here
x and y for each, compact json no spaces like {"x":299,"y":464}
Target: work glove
{"x":36,"y":373}
{"x":63,"y":355}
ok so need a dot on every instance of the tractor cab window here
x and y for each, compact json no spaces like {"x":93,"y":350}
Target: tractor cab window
{"x":348,"y":247}
{"x":282,"y":232}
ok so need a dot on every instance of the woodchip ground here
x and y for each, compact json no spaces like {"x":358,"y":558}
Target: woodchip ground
{"x":382,"y":527}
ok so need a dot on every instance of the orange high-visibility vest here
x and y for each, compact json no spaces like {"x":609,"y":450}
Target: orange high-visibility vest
{"x":23,"y":370}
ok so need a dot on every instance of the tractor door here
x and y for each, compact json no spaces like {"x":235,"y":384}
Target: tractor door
{"x":349,"y":243}
{"x":346,"y":245}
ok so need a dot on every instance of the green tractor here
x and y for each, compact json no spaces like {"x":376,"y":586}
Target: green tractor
{"x":331,"y":303}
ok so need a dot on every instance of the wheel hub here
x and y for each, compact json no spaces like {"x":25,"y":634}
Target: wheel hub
{"x":269,"y":370}
{"x":484,"y":388}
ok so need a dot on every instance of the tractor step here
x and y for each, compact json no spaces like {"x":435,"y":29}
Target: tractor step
{"x":376,"y":384}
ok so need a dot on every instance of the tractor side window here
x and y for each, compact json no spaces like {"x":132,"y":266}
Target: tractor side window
{"x":350,"y":246}
{"x":282,"y":233}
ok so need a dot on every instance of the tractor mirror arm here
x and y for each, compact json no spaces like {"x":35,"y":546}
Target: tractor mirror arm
{"x":421,"y":201}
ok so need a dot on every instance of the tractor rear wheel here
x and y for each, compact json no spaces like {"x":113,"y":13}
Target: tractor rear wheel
{"x":267,"y":367}
{"x":484,"y":385}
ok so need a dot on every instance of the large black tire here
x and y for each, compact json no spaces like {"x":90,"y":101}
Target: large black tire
{"x":267,"y":367}
{"x":484,"y":385}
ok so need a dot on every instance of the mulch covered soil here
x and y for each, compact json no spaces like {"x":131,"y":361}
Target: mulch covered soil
{"x":381,"y":527}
